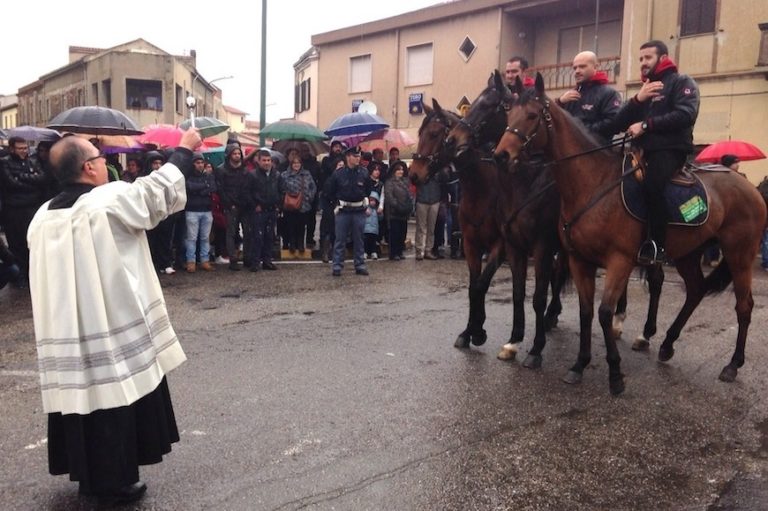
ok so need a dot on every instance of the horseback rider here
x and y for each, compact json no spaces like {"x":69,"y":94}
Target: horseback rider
{"x":592,"y":101}
{"x":660,"y":117}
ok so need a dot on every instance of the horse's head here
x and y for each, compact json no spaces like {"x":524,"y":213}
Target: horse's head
{"x":529,"y":123}
{"x":485,"y":120}
{"x":430,"y":155}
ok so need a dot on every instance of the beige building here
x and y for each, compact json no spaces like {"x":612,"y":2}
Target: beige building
{"x":9,"y":111}
{"x":138,"y":78}
{"x":448,"y":51}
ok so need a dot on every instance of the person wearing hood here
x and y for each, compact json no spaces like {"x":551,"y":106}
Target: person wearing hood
{"x":199,"y":219}
{"x":232,"y":185}
{"x":371,"y":228}
{"x":592,"y":101}
{"x":660,"y":119}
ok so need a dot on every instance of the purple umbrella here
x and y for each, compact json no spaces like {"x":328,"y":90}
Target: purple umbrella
{"x":34,"y":134}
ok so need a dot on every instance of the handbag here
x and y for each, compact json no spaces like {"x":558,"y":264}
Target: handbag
{"x":292,"y":201}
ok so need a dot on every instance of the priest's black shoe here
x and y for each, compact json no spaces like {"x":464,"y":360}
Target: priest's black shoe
{"x":124,"y":495}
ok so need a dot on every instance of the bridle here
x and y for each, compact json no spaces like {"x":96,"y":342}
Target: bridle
{"x":546,"y":115}
{"x":433,"y":160}
{"x":475,"y":129}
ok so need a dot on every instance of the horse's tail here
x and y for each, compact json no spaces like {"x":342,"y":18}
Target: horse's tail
{"x":719,"y":279}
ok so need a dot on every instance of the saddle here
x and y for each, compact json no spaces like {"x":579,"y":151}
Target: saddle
{"x":685,"y":194}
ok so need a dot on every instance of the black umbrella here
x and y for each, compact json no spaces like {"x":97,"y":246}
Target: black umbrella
{"x":95,"y":120}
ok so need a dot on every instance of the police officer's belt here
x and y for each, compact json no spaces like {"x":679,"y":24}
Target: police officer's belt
{"x":347,"y":204}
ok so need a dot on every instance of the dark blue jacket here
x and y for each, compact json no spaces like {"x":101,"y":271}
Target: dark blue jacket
{"x":200,"y":186}
{"x":350,"y":185}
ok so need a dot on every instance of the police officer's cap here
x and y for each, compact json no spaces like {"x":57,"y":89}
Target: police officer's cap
{"x":353,"y":150}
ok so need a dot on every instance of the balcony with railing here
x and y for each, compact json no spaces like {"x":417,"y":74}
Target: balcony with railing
{"x":560,"y":76}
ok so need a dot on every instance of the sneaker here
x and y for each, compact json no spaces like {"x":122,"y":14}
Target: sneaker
{"x":222,"y":260}
{"x":375,"y":256}
{"x":233,"y":266}
{"x":419,"y":257}
{"x":430,"y":256}
{"x":336,"y":273}
{"x":168,"y":271}
{"x":362,"y":271}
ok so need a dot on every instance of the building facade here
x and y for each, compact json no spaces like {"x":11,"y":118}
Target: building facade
{"x":138,"y":78}
{"x":9,"y":111}
{"x":448,"y":51}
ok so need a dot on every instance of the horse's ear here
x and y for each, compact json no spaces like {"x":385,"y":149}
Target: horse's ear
{"x":491,"y":83}
{"x":426,"y":107}
{"x":539,"y":84}
{"x":436,"y":106}
{"x":517,"y":88}
{"x":497,"y":81}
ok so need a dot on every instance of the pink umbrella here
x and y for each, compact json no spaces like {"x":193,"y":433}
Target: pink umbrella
{"x":386,"y":139}
{"x":161,"y":135}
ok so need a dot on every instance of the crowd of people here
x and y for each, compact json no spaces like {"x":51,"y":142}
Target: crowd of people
{"x":241,"y":211}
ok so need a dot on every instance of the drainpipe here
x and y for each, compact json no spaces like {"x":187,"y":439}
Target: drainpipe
{"x":263,"y":99}
{"x":397,"y":74}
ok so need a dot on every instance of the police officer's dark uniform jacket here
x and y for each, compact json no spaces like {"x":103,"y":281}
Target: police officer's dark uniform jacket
{"x":350,"y":186}
{"x":597,"y":106}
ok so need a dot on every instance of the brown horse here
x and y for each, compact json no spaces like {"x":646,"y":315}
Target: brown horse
{"x":480,"y":231}
{"x":527,"y":212}
{"x":598,"y":231}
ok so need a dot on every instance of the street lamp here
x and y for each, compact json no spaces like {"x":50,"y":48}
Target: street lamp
{"x":211,"y":83}
{"x":192,"y":102}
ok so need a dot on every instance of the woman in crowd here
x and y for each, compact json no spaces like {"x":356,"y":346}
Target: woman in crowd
{"x":398,"y":209}
{"x":296,"y":180}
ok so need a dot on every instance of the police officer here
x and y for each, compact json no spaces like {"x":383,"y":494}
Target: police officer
{"x":660,"y":117}
{"x":349,"y":188}
{"x":592,"y":101}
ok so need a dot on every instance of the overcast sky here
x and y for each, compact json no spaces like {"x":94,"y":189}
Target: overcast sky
{"x":226,"y":36}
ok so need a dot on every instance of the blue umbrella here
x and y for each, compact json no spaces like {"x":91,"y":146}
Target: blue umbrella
{"x":3,"y":135}
{"x":34,"y":134}
{"x":355,"y":123}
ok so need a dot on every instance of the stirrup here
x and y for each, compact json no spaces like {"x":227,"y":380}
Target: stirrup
{"x":650,"y":253}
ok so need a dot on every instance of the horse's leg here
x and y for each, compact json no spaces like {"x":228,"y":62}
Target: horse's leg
{"x":474,"y":264}
{"x":689,"y":268}
{"x":655,"y":277}
{"x":616,"y":277}
{"x":558,"y":278}
{"x":584,"y":277}
{"x":741,"y":270}
{"x":519,"y":265}
{"x":543,"y":259}
{"x":479,"y":282}
{"x":620,"y":315}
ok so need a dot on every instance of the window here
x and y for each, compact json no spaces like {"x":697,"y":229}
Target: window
{"x":360,"y":73}
{"x":418,"y":65}
{"x":95,"y":93}
{"x":106,"y":91}
{"x":697,"y":17}
{"x":467,"y":48}
{"x":144,"y":94}
{"x":179,"y":100}
{"x":301,"y":96}
{"x":573,"y":40}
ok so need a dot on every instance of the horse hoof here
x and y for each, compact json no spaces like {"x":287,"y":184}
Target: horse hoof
{"x":572,"y":378}
{"x":666,"y":353}
{"x":461,"y":342}
{"x":641,"y":344}
{"x":550,"y":323}
{"x":728,"y":374}
{"x":478,"y":339}
{"x":616,"y":386}
{"x":532,"y":362}
{"x":508,"y":352}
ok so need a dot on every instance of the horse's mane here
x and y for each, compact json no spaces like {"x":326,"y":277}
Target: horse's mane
{"x":586,"y":136}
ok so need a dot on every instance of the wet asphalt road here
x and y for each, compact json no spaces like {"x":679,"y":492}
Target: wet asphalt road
{"x":304,"y":391}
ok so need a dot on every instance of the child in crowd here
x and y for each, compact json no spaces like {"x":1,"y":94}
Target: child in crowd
{"x":371,"y":229}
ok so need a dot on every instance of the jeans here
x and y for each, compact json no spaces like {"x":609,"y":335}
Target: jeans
{"x":198,"y":228}
{"x":263,"y":236}
{"x":349,"y":223}
{"x":764,"y":249}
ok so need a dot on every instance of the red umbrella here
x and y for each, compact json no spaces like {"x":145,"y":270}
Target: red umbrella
{"x":386,"y":139}
{"x":744,"y":151}
{"x":161,"y":135}
{"x":210,"y":143}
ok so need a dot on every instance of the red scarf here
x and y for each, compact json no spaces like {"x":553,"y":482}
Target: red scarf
{"x":661,"y":67}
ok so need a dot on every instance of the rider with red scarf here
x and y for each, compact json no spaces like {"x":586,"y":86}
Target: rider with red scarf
{"x":660,"y":118}
{"x":592,"y":102}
